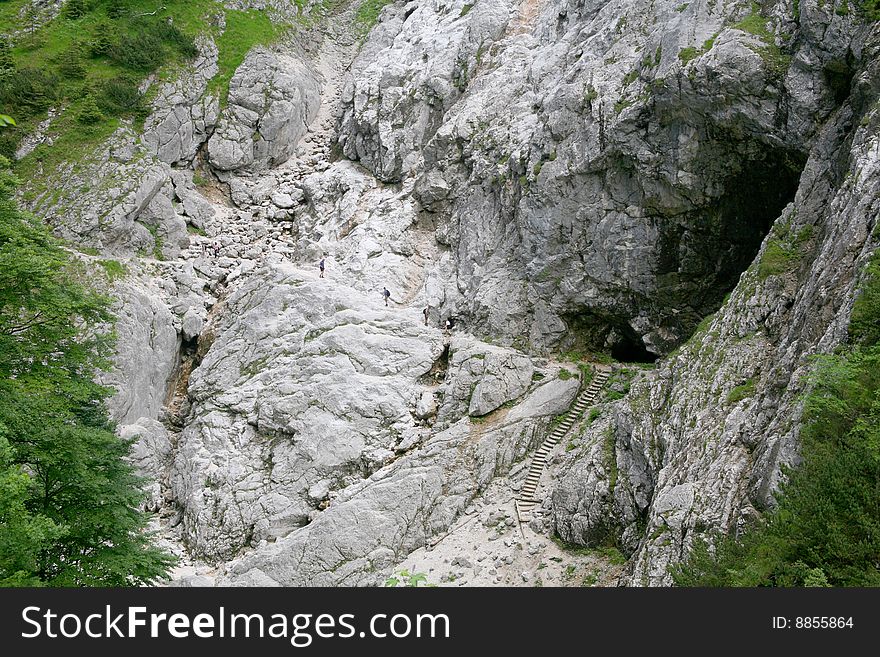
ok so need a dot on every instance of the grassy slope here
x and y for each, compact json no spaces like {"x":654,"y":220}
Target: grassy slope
{"x":44,"y":48}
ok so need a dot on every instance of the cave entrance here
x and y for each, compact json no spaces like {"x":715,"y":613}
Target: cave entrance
{"x":700,"y":260}
{"x":601,"y":331}
{"x":755,"y":198}
{"x":627,"y":350}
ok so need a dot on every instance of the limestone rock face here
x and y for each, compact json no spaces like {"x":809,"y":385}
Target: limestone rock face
{"x":146,"y":351}
{"x":151,"y":454}
{"x":598,"y":167}
{"x":308,"y":389}
{"x":412,"y":70}
{"x":184,"y":116}
{"x":697,"y":446}
{"x":272,"y":99}
{"x":371,"y":525}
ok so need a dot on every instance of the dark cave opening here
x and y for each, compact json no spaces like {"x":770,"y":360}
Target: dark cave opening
{"x":627,"y":350}
{"x":755,"y":198}
{"x":839,"y":75}
{"x":601,"y":331}
{"x":700,"y":260}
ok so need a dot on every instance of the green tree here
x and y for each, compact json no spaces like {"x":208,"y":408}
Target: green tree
{"x":71,"y":64}
{"x":23,"y":535}
{"x":68,"y":494}
{"x":89,"y":113}
{"x":102,"y":38}
{"x":75,"y":9}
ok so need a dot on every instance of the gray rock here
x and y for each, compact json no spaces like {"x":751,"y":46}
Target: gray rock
{"x":272,"y":99}
{"x":193,"y":323}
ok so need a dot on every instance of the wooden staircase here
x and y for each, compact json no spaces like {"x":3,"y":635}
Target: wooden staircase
{"x":526,"y":500}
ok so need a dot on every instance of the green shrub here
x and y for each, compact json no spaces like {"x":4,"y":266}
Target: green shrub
{"x":871,"y":9}
{"x":89,"y":113}
{"x":75,"y":9}
{"x":139,"y":52}
{"x":120,"y":97}
{"x":71,"y":65}
{"x":29,"y":90}
{"x":6,"y":61}
{"x":777,"y":259}
{"x":741,"y":392}
{"x":102,"y":38}
{"x":116,"y":8}
{"x":113,"y":268}
{"x":863,"y":326}
{"x":688,"y":54}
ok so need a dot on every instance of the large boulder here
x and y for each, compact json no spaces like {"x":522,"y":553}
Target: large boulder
{"x":272,"y":99}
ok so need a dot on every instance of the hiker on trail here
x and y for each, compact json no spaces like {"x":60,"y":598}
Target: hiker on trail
{"x":216,"y":248}
{"x":321,"y":267}
{"x":385,"y":294}
{"x":425,"y":313}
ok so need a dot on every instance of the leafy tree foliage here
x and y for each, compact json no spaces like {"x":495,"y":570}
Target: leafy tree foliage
{"x":68,"y":497}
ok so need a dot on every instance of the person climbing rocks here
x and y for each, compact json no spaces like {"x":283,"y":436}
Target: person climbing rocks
{"x":321,"y":267}
{"x":385,"y":294}
{"x":425,"y":313}
{"x":216,"y":248}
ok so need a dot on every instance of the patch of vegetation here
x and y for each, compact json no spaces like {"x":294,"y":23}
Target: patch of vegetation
{"x":741,"y":392}
{"x":408,"y":579}
{"x":622,"y":104}
{"x":590,"y":578}
{"x":870,"y":9}
{"x":825,"y":529}
{"x":69,"y":497}
{"x":367,"y":15}
{"x":91,"y":60}
{"x":691,"y":52}
{"x":688,"y":54}
{"x":756,"y":25}
{"x":565,"y":374}
{"x":466,"y":9}
{"x":114,"y":269}
{"x":244,"y":30}
{"x":784,"y":250}
{"x":864,"y":329}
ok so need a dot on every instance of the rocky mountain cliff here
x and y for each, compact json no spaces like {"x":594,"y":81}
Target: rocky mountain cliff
{"x":695,"y":184}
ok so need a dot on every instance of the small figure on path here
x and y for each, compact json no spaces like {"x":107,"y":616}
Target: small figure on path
{"x":385,"y":294}
{"x":216,"y":248}
{"x":321,"y":267}
{"x":425,"y":313}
